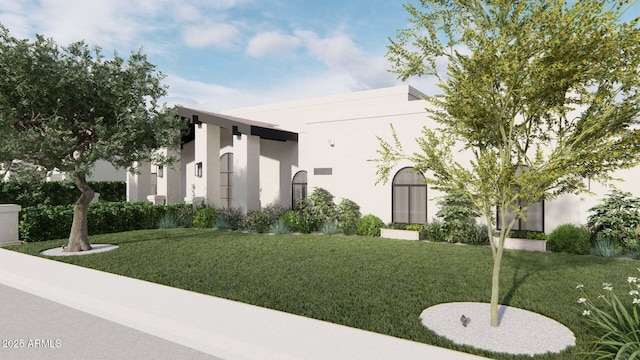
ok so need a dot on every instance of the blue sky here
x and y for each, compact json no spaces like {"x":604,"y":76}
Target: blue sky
{"x":222,"y":54}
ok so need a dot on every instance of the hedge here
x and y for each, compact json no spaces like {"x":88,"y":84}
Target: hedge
{"x":33,"y":193}
{"x":44,"y":222}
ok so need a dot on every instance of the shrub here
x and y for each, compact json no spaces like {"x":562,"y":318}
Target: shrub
{"x":348,"y":214}
{"x":329,"y":228}
{"x":369,"y":225}
{"x":476,"y":235}
{"x":605,"y":246}
{"x":221,"y":223}
{"x":38,"y":192}
{"x":305,"y":221}
{"x":168,"y":221}
{"x":261,"y":221}
{"x":434,"y":231}
{"x":43,"y":222}
{"x":615,"y":319}
{"x":280,"y":227}
{"x":618,"y":217}
{"x":323,"y":208}
{"x":569,"y":238}
{"x":204,"y":218}
{"x":458,"y":215}
{"x":258,"y":221}
{"x":232,"y":216}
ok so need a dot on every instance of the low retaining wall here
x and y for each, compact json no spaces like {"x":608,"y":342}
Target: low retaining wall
{"x":9,"y":224}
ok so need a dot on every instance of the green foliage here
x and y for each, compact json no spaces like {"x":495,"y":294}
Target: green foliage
{"x":348,"y":213}
{"x":476,"y":235}
{"x":44,"y":222}
{"x":605,"y":246}
{"x":280,"y":227}
{"x":458,"y":215}
{"x":524,"y":234}
{"x":38,"y":192}
{"x":233,"y":217}
{"x":258,"y":221}
{"x":204,"y":218}
{"x":306,"y":220}
{"x":168,"y":221}
{"x":261,"y":221}
{"x":569,"y":238}
{"x":323,"y":207}
{"x":329,"y":228}
{"x":67,"y":107}
{"x":616,"y":321}
{"x":434,"y":231}
{"x":369,"y":225}
{"x":617,"y":218}
{"x":221,"y":223}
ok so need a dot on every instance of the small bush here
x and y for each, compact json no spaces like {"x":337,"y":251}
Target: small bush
{"x":619,"y":217}
{"x":168,"y":221}
{"x":569,"y":238}
{"x":329,"y":228}
{"x":605,"y":246}
{"x":232,"y":216}
{"x":434,"y":231}
{"x":261,"y":221}
{"x":204,"y":218}
{"x":280,"y":227}
{"x":221,"y":223}
{"x":348,"y":214}
{"x":302,"y":219}
{"x":476,"y":235}
{"x":323,"y":208}
{"x":369,"y":225}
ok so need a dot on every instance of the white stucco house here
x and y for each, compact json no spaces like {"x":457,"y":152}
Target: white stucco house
{"x":277,"y":153}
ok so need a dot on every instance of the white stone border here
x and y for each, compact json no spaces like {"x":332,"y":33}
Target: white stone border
{"x":95,"y":248}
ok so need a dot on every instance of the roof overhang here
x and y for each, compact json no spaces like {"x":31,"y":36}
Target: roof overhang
{"x":236,"y":125}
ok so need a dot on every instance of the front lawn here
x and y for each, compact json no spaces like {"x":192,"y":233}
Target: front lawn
{"x":374,"y":284}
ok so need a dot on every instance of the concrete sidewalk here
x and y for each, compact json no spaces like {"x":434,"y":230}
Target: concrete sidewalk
{"x":95,"y":312}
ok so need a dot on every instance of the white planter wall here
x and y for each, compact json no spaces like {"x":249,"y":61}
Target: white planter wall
{"x":9,"y":224}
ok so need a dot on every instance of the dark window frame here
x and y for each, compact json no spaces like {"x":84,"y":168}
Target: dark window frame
{"x":303,"y":186}
{"x":410,"y":187}
{"x":226,"y":201}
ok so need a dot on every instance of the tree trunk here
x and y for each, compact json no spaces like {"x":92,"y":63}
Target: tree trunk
{"x":79,"y":236}
{"x":495,"y":283}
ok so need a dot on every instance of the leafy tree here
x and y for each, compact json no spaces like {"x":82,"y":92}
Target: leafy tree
{"x":65,"y":108}
{"x":544,"y":86}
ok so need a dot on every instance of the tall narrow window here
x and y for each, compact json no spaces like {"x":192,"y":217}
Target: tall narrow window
{"x":409,"y":197}
{"x":298,"y":187}
{"x":534,"y":214}
{"x":226,"y":175}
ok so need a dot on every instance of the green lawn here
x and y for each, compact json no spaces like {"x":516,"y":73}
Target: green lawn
{"x":369,"y":283}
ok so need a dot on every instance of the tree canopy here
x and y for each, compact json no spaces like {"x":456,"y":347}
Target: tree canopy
{"x":66,"y":107}
{"x":542,"y":93}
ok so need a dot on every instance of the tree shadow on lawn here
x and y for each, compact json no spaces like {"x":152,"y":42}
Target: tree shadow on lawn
{"x":526,"y":264}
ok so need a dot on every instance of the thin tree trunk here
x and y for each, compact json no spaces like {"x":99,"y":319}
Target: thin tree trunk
{"x":79,"y":236}
{"x":495,"y":283}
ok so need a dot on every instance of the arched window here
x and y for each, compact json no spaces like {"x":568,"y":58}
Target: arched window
{"x":226,"y":175}
{"x":298,"y":187}
{"x":409,"y":197}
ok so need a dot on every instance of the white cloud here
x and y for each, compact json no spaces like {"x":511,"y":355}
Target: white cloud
{"x":219,"y":35}
{"x":341,"y":54}
{"x":271,"y":42}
